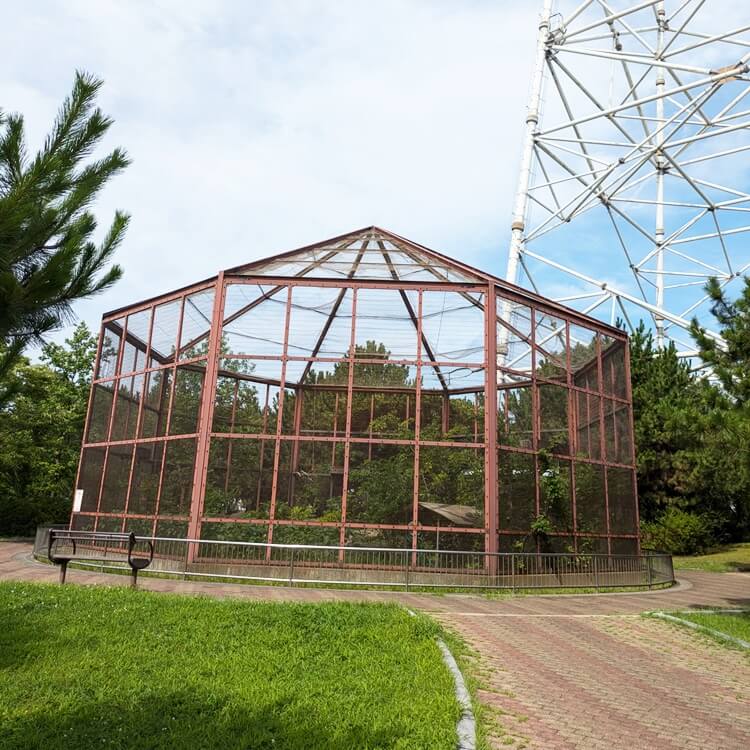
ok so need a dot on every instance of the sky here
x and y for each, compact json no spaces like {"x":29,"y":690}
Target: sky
{"x":258,"y":127}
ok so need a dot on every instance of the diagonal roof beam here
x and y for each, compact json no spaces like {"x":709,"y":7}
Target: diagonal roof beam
{"x":334,"y":311}
{"x":413,"y":316}
{"x":267,"y":295}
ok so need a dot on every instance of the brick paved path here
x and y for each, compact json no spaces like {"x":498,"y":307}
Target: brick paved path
{"x":559,"y":672}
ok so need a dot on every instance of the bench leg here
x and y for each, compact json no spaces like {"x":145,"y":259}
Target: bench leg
{"x":134,"y":577}
{"x":63,"y":571}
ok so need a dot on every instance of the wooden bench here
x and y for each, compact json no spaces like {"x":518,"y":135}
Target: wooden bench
{"x":66,"y":546}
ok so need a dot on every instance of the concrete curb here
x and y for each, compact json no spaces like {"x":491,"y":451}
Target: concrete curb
{"x":702,"y":628}
{"x":466,"y":728}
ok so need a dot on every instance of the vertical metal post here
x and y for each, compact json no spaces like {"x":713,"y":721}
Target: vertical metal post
{"x":348,"y":422}
{"x":660,"y":165}
{"x":417,"y":430}
{"x":291,"y":566}
{"x":631,"y":427}
{"x":490,"y":430}
{"x":406,"y":569}
{"x":532,"y":119}
{"x":527,"y":155}
{"x":594,"y":560}
{"x":208,"y":398}
{"x":535,"y":427}
{"x":602,"y":439}
{"x":279,"y":423}
{"x":650,"y":572}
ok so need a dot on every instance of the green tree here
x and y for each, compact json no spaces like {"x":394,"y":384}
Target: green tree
{"x":48,"y":258}
{"x":669,"y":407}
{"x":692,"y":435}
{"x":41,"y":429}
{"x":729,"y":360}
{"x":728,"y":437}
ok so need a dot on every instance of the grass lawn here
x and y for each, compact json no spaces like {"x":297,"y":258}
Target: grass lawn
{"x":729,"y":558}
{"x":736,"y":625}
{"x":84,"y":667}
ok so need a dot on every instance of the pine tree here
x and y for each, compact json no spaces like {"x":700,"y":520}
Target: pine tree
{"x":730,"y":360}
{"x":670,"y":408}
{"x":48,"y":259}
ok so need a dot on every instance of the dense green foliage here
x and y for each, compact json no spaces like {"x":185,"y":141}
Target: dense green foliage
{"x":680,"y":531}
{"x":40,"y":434}
{"x":84,"y":667}
{"x":48,"y":257}
{"x":693,"y":434}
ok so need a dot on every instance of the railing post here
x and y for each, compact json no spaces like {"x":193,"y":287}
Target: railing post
{"x":648,"y":566}
{"x":185,"y":561}
{"x":291,"y":567}
{"x":670,"y":566}
{"x":406,"y":571}
{"x":594,"y":559}
{"x":513,"y":572}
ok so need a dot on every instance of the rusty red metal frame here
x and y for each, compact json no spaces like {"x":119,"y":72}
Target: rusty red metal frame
{"x":293,"y":432}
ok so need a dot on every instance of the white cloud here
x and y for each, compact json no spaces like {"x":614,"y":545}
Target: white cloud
{"x":258,"y":127}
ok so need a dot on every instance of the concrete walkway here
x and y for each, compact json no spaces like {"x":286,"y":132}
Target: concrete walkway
{"x":557,"y":672}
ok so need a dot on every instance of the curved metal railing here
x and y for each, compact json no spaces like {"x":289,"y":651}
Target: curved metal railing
{"x":302,"y":564}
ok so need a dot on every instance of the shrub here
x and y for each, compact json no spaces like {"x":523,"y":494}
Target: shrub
{"x":679,"y":531}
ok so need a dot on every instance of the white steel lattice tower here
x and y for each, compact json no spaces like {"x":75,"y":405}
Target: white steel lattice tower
{"x":633,"y":183}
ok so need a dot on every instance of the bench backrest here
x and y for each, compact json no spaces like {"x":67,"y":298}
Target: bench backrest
{"x":92,"y":544}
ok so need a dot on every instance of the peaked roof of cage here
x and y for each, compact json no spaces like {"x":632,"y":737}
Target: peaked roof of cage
{"x":369,"y":254}
{"x":376,"y":254}
{"x":321,"y":326}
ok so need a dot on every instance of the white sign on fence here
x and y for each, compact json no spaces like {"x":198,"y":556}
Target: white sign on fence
{"x":77,"y":500}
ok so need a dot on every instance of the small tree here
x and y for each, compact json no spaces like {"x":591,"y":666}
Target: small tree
{"x":48,"y":258}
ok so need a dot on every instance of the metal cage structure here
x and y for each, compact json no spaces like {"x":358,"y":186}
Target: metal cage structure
{"x":364,"y":391}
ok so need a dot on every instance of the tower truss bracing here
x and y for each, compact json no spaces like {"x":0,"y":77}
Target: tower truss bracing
{"x":630,"y":193}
